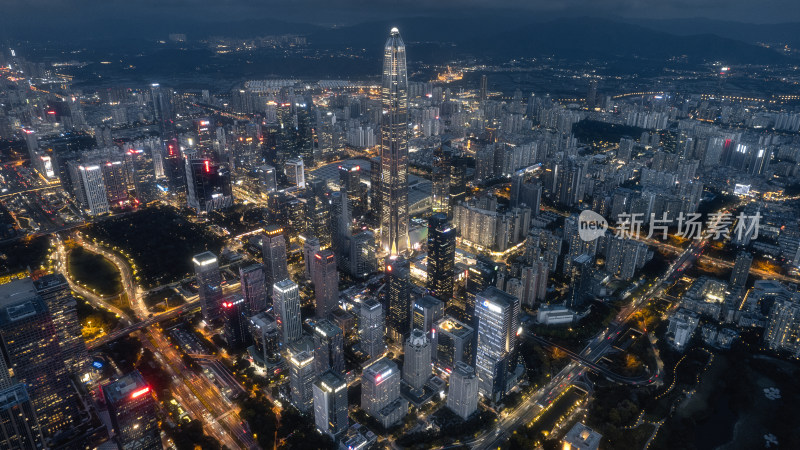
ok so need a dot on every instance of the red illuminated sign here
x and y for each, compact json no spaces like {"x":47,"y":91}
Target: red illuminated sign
{"x":140,"y":392}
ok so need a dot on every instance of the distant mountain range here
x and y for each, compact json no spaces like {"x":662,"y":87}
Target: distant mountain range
{"x":788,"y":33}
{"x":496,"y":34}
{"x":585,"y":38}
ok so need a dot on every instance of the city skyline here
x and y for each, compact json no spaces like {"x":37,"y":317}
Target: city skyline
{"x":491,"y":232}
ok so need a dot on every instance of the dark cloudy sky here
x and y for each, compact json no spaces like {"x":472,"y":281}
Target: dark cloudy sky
{"x":39,"y":16}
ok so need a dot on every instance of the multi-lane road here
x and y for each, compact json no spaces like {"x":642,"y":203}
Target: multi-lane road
{"x":197,"y":393}
{"x":592,"y":353}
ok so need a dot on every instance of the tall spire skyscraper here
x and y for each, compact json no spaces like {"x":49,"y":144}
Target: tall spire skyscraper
{"x":394,"y":146}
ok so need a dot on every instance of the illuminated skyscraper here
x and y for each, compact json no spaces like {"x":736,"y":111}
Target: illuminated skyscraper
{"x":56,"y":293}
{"x":162,"y":111}
{"x":115,"y":180}
{"x":30,"y":345}
{"x":286,"y":305}
{"x":441,"y":180}
{"x":254,"y":287}
{"x":580,"y":286}
{"x":375,"y":194}
{"x":417,"y":361}
{"x":498,"y":321}
{"x":783,"y":326}
{"x":462,"y":395}
{"x":363,"y":260}
{"x":371,"y":326}
{"x":133,"y":413}
{"x":453,"y":342}
{"x":319,"y":212}
{"x":295,"y":172}
{"x":266,"y":338}
{"x":394,"y":147}
{"x":301,"y":379}
{"x":328,"y":347}
{"x":350,"y":181}
{"x":209,"y":284}
{"x":480,"y":276}
{"x":330,"y":404}
{"x":380,"y":393}
{"x":141,"y":171}
{"x":398,"y":298}
{"x":267,"y":177}
{"x":89,"y":187}
{"x":236,"y":314}
{"x":273,"y":247}
{"x":310,"y":247}
{"x":19,"y":427}
{"x":441,"y":257}
{"x":591,"y":95}
{"x":174,"y":165}
{"x":208,"y":185}
{"x":426,"y":312}
{"x":341,"y":219}
{"x":326,"y":282}
{"x":205,"y":137}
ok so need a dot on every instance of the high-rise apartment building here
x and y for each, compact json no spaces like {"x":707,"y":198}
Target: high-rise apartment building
{"x":783,"y":328}
{"x":580,"y":286}
{"x":741,"y":269}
